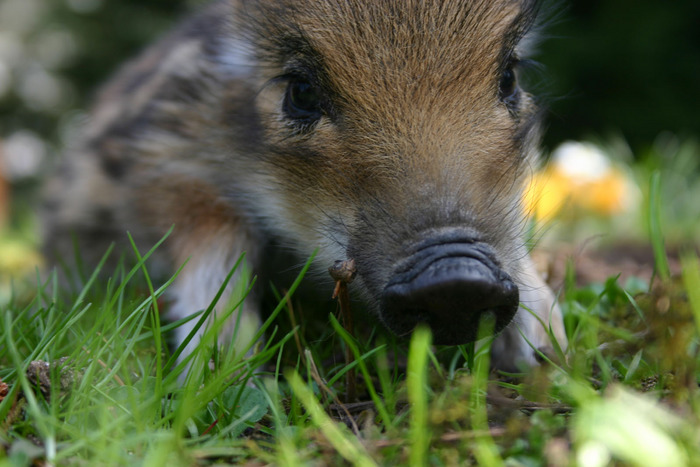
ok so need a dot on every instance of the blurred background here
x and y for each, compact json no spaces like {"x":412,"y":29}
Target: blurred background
{"x":620,"y":76}
{"x":627,"y":67}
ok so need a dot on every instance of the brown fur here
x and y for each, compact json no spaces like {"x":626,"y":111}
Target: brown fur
{"x":413,"y":137}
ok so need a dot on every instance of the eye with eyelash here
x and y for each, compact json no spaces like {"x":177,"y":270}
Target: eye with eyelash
{"x":508,"y":84}
{"x":302,"y":100}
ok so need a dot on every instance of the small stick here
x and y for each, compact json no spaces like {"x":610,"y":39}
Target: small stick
{"x":343,"y":273}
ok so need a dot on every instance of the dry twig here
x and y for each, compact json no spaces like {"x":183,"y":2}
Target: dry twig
{"x":343,"y":273}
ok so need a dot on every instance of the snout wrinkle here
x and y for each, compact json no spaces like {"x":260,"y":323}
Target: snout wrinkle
{"x":450,"y":286}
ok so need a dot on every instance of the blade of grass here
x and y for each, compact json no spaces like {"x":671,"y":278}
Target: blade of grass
{"x":155,"y":317}
{"x":93,"y":277}
{"x":634,"y":364}
{"x":283,"y":303}
{"x":416,"y":386}
{"x":344,"y":442}
{"x":43,"y":425}
{"x":195,"y":396}
{"x":201,"y":322}
{"x":691,"y":280}
{"x":655,"y":233}
{"x":485,"y":449}
{"x":634,"y":304}
{"x":139,"y":264}
{"x":350,"y":342}
{"x":287,"y":451}
{"x":385,"y":379}
{"x":354,"y":364}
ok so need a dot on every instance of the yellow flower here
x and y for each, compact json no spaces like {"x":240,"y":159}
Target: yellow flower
{"x":579,"y":177}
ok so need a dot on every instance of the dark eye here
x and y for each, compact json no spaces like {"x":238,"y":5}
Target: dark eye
{"x":302,"y":100}
{"x":507,"y":87}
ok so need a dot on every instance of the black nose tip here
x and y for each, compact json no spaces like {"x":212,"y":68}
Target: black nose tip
{"x":449,"y":288}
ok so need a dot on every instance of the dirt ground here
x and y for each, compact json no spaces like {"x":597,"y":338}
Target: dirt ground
{"x":596,"y":264}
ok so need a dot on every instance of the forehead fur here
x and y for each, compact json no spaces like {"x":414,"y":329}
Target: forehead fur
{"x":425,"y":48}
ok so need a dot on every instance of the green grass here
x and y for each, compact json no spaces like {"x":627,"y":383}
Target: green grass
{"x":626,"y":392}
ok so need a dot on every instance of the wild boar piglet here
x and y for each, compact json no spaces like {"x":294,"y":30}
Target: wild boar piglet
{"x":390,"y":132}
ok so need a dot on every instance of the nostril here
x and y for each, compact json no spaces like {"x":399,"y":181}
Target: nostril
{"x":450,"y":294}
